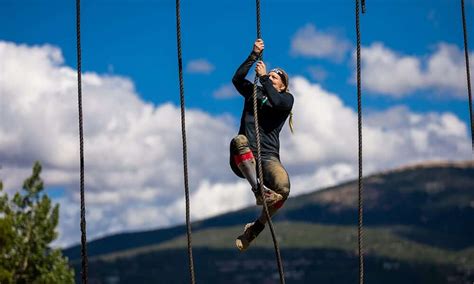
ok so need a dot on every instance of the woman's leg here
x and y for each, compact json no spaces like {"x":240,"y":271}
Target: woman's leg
{"x":242,"y":160}
{"x":276,"y":178}
{"x":243,"y":165}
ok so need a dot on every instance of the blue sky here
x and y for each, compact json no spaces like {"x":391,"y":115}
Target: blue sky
{"x":137,"y":39}
{"x":415,"y":98}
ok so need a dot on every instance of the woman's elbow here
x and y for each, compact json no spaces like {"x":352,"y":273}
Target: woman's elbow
{"x":236,"y":80}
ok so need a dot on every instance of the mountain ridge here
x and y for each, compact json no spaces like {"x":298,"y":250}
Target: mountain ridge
{"x":332,"y":205}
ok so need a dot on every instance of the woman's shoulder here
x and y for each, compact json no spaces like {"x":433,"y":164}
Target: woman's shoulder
{"x":290,"y":96}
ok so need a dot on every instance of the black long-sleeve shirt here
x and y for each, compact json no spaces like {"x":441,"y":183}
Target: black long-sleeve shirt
{"x":273,"y":109}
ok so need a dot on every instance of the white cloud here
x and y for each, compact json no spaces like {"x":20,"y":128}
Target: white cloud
{"x":211,"y":199}
{"x":310,"y":42}
{"x":326,"y":135}
{"x":133,"y":148}
{"x":225,"y":91}
{"x":386,"y":72}
{"x":322,"y":177}
{"x":200,"y":66}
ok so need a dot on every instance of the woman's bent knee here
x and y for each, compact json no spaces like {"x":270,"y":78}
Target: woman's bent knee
{"x":239,"y":145}
{"x":277,"y":178}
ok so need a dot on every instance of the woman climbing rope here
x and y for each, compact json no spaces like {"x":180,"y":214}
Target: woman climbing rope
{"x":274,"y":107}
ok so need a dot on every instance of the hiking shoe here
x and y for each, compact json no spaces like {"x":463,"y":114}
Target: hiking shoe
{"x":251,"y":231}
{"x":271,"y":197}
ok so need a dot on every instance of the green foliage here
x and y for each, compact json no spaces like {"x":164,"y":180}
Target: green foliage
{"x":27,"y":227}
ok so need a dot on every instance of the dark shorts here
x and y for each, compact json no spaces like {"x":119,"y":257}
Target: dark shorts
{"x":275,"y":176}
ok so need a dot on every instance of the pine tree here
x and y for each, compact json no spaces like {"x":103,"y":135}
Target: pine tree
{"x":27,"y":227}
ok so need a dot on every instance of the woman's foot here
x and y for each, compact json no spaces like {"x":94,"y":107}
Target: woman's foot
{"x":251,"y":231}
{"x":271,"y":197}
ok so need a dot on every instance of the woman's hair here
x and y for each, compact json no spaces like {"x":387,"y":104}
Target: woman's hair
{"x":290,"y":123}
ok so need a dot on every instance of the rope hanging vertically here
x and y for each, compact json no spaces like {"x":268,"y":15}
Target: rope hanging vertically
{"x":183,"y":134}
{"x":81,"y":146}
{"x":259,"y":160}
{"x":468,"y":73}
{"x":359,"y":111}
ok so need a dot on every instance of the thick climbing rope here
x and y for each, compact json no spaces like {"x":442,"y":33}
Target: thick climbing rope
{"x":259,"y":160}
{"x":183,"y":134}
{"x":81,"y":145}
{"x":468,"y":73}
{"x":359,"y":111}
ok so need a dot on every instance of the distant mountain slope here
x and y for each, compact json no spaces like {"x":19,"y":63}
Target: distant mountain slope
{"x":436,"y":198}
{"x":419,"y":228}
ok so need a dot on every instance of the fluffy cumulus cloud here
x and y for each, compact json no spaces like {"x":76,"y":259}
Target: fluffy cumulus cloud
{"x":200,"y":66}
{"x":133,"y":148}
{"x":390,"y":73}
{"x":323,"y":150}
{"x":311,"y":42}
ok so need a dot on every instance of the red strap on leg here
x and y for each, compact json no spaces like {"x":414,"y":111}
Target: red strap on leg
{"x":243,"y":157}
{"x":279,"y":204}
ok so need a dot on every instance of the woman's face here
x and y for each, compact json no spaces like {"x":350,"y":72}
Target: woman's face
{"x":276,"y":81}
